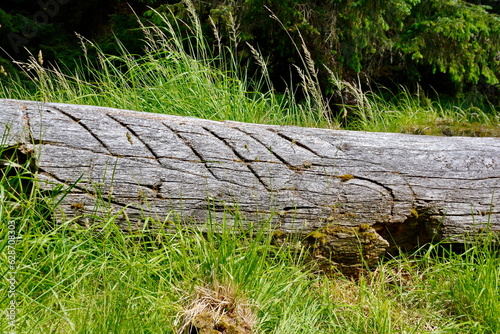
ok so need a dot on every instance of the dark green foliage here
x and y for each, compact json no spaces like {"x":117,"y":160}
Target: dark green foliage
{"x":377,"y":39}
{"x":449,"y":45}
{"x":457,"y":38}
{"x":51,"y":26}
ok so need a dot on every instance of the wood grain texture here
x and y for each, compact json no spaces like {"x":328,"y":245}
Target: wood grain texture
{"x":379,"y":189}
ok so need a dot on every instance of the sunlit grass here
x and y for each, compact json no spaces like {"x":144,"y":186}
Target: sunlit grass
{"x":178,"y":74}
{"x":181,"y":74}
{"x":416,"y":114}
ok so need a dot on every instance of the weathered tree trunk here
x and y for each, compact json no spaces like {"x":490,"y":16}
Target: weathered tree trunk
{"x":349,"y":191}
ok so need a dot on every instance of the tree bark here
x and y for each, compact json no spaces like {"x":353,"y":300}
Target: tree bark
{"x":346,"y":191}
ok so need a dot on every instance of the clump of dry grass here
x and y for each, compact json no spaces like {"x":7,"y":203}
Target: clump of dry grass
{"x":217,"y":308}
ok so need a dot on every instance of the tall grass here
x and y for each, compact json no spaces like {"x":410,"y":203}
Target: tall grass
{"x":179,"y":73}
{"x":404,"y":112}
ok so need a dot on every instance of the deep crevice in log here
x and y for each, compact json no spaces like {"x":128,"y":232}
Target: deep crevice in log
{"x":84,"y":126}
{"x":237,"y":154}
{"x":419,"y":228}
{"x":15,"y":162}
{"x":270,"y":150}
{"x":188,"y":143}
{"x":131,"y":133}
{"x":296,"y":142}
{"x":18,"y":171}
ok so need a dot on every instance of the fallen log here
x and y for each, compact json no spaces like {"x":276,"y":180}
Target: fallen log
{"x":346,"y":191}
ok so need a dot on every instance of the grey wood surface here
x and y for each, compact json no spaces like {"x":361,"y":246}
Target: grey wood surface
{"x":350,"y":187}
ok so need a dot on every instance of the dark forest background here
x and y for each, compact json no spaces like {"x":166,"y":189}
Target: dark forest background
{"x":450,"y":48}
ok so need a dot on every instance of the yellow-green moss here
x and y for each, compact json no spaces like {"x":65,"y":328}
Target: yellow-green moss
{"x":318,"y":238}
{"x":364,"y":227}
{"x":206,"y":323}
{"x":278,"y":233}
{"x":364,"y":230}
{"x":345,"y":177}
{"x":341,"y":217}
{"x":414,"y":212}
{"x":316,"y":234}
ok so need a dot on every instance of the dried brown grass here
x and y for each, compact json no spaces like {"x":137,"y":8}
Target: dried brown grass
{"x":217,"y":308}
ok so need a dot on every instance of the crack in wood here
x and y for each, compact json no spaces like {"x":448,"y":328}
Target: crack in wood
{"x":195,"y":152}
{"x":84,"y":126}
{"x":414,"y":175}
{"x":93,"y":195}
{"x":388,"y":189}
{"x":77,"y":148}
{"x":183,"y":171}
{"x":294,"y":208}
{"x":270,"y":150}
{"x":88,"y":192}
{"x":294,"y":141}
{"x":61,"y":181}
{"x":83,"y":190}
{"x":136,"y":136}
{"x":27,"y":125}
{"x":289,"y":166}
{"x":239,"y":156}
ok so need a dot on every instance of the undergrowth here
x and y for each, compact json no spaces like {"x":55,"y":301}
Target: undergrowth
{"x":178,"y":74}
